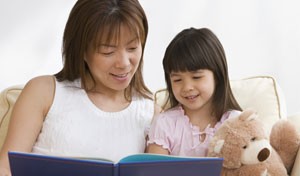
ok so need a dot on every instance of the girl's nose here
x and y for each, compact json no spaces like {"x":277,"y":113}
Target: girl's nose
{"x":187,"y":86}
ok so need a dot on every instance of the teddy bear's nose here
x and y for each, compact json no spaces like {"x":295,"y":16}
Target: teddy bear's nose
{"x":263,"y":154}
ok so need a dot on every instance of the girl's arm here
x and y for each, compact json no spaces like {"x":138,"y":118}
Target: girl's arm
{"x":158,"y":149}
{"x":27,"y":118}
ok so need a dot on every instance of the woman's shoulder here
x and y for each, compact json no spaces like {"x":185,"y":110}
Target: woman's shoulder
{"x":40,"y":84}
{"x":38,"y":93}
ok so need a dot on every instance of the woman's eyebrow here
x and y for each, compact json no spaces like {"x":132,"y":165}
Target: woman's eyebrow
{"x":111,"y":45}
{"x":106,"y":45}
{"x":132,"y":40}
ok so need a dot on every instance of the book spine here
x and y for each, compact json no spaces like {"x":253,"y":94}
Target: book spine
{"x":116,"y":170}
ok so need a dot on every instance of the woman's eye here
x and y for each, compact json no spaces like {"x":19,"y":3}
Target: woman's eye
{"x":107,"y":53}
{"x":132,"y":48}
{"x":196,"y":77}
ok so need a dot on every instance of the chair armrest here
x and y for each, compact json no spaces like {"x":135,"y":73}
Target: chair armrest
{"x":8,"y":98}
{"x":296,"y":169}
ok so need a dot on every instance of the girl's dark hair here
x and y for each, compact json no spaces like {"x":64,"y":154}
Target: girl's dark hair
{"x":193,"y":49}
{"x":93,"y":21}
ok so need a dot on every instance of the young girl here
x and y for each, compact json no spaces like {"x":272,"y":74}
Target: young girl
{"x":199,"y":94}
{"x":98,"y":104}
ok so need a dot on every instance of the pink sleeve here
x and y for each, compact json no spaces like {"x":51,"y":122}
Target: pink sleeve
{"x":160,"y":131}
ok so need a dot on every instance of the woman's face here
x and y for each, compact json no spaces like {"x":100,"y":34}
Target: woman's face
{"x":113,"y":65}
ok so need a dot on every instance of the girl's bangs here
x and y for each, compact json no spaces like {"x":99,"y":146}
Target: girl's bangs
{"x":187,"y":57}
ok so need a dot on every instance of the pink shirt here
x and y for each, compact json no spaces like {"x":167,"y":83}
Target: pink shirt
{"x":173,"y":130}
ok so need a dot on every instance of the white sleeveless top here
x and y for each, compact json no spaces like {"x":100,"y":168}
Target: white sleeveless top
{"x":74,"y":126}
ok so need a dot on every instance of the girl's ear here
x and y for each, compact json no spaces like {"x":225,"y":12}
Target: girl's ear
{"x":216,"y":81}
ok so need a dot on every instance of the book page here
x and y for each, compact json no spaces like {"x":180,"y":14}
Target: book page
{"x":149,"y":157}
{"x":94,"y":159}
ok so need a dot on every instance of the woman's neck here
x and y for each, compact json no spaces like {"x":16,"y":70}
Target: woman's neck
{"x":109,"y":102}
{"x":104,"y":98}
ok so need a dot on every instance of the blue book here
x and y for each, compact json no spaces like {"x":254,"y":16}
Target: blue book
{"x":29,"y":164}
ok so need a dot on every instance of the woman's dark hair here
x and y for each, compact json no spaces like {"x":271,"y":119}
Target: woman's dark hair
{"x":93,"y":21}
{"x":193,"y":49}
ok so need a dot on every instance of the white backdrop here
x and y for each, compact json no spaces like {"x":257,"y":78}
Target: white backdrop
{"x":260,"y":37}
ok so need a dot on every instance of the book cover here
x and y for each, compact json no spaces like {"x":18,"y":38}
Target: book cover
{"x":29,"y":164}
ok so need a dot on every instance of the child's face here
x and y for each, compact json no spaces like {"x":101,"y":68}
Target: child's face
{"x":193,"y":90}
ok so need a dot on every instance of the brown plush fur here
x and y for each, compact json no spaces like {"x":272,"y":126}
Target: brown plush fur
{"x":285,"y":139}
{"x":247,"y":150}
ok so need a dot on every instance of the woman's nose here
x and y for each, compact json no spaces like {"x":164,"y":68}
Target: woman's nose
{"x":123,"y":60}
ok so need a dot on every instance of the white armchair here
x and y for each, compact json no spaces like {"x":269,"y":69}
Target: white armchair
{"x":263,"y":94}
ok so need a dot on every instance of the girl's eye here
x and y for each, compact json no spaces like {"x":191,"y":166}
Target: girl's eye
{"x":176,"y":80}
{"x":196,"y":77}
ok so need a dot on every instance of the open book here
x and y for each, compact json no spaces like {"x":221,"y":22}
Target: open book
{"x":29,"y":164}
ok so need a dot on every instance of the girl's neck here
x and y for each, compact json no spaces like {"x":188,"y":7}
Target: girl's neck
{"x":201,"y":117}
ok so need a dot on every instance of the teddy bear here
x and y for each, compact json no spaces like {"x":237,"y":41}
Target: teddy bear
{"x":247,"y":150}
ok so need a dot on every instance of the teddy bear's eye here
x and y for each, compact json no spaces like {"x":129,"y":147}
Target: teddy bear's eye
{"x":245,"y":146}
{"x":253,"y":139}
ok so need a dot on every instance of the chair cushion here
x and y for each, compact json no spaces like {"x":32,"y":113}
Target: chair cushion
{"x":260,"y":93}
{"x":7,"y":101}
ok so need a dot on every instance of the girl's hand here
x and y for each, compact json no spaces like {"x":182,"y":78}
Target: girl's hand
{"x":4,"y":171}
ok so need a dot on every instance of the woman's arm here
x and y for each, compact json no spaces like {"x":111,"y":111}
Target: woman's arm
{"x":27,"y":118}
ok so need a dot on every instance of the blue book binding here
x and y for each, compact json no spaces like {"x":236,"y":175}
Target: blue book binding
{"x":28,"y":164}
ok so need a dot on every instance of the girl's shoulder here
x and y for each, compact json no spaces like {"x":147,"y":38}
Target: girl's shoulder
{"x":232,"y":113}
{"x":229,"y":114}
{"x":170,"y":116}
{"x":176,"y":111}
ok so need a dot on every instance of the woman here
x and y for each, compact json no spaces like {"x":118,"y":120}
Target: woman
{"x":98,"y":104}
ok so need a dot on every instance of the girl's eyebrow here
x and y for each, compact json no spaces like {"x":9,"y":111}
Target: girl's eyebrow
{"x":198,"y":71}
{"x":178,"y":74}
{"x":174,"y":74}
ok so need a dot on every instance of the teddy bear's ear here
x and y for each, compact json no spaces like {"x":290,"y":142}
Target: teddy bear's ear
{"x":248,"y":115}
{"x":218,"y":146}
